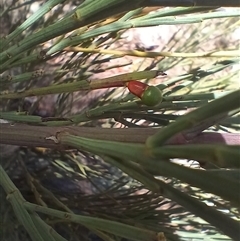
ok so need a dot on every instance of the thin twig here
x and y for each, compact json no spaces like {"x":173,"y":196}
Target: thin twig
{"x":137,"y":53}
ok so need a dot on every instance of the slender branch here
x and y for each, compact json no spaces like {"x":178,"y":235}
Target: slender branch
{"x":43,"y":136}
{"x":137,"y":53}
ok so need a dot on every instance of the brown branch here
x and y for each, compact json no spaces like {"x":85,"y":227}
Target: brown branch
{"x":27,"y":135}
{"x":43,"y":136}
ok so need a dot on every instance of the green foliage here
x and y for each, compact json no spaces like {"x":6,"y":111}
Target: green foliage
{"x":94,"y":177}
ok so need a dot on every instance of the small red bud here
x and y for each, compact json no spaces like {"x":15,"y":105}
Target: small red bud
{"x":137,"y":88}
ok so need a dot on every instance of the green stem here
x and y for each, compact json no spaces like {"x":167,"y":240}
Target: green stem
{"x":109,"y":226}
{"x":17,"y":200}
{"x":113,"y":81}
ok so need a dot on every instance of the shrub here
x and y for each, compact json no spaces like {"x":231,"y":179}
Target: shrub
{"x":85,"y":158}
